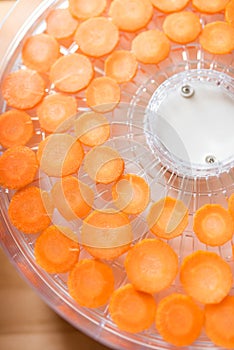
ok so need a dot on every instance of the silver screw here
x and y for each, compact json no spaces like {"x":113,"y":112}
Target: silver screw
{"x":187,"y":91}
{"x":210,"y":159}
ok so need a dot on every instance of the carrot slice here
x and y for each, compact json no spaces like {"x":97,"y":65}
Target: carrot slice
{"x":229,"y":12}
{"x":106,"y":235}
{"x":103,"y":94}
{"x":131,"y":194}
{"x":97,"y":37}
{"x":39,"y":52}
{"x":151,"y":265}
{"x":121,"y":66}
{"x":27,"y":211}
{"x":92,"y":129}
{"x":18,"y":167}
{"x":231,"y":205}
{"x":168,"y":218}
{"x":91,"y":283}
{"x":71,"y":73}
{"x":182,"y":27}
{"x":61,"y":24}
{"x":219,"y":322}
{"x":179,"y":320}
{"x":206,"y":277}
{"x":16,"y":128}
{"x":55,"y":112}
{"x":217,"y":38}
{"x":131,"y":310}
{"x":86,"y":9}
{"x":72,"y":198}
{"x":213,"y":225}
{"x":168,"y":6}
{"x":131,"y":15}
{"x":60,"y":155}
{"x":151,"y":46}
{"x":23,"y":89}
{"x":214,"y":6}
{"x":54,"y":252}
{"x":103,"y":164}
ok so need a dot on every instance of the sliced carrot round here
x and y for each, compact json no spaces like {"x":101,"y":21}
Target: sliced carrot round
{"x":23,"y":89}
{"x":55,"y":112}
{"x":54,"y":252}
{"x":61,"y":24}
{"x":91,"y":283}
{"x":151,"y":265}
{"x":131,"y":15}
{"x":97,"y":36}
{"x":206,"y":277}
{"x":219,"y":322}
{"x":103,"y":164}
{"x":92,"y":129}
{"x":168,"y":218}
{"x":151,"y":46}
{"x":60,"y":155}
{"x":131,"y":310}
{"x":179,"y":320}
{"x":103,"y":94}
{"x":213,"y":225}
{"x":121,"y":66}
{"x":72,"y":198}
{"x":27,"y":211}
{"x":16,"y":128}
{"x":229,"y":12}
{"x":18,"y":167}
{"x":213,"y":6}
{"x":231,"y":205}
{"x":217,"y":38}
{"x":131,"y":194}
{"x":85,"y":9}
{"x":39,"y":52}
{"x":182,"y":27}
{"x":168,"y":6}
{"x":71,"y":73}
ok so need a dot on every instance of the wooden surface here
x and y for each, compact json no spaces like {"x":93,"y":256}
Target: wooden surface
{"x":26,"y":322}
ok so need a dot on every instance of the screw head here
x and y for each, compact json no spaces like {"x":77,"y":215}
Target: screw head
{"x":187,"y":91}
{"x":210,"y":159}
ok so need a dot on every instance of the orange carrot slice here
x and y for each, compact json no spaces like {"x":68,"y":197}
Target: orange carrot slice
{"x":61,"y":24}
{"x":16,"y":128}
{"x":151,"y":265}
{"x":213,"y":225}
{"x":97,"y":37}
{"x":83,"y":9}
{"x":55,"y":112}
{"x":103,"y":164}
{"x":151,"y":46}
{"x":179,"y":320}
{"x":91,"y":283}
{"x":23,"y":89}
{"x":60,"y":155}
{"x":168,"y":6}
{"x":71,"y":73}
{"x":54,"y":252}
{"x":27,"y":210}
{"x":92,"y":129}
{"x":214,"y":6}
{"x":231,"y":205}
{"x":72,"y":198}
{"x":131,"y":310}
{"x":229,"y":12}
{"x":219,"y":322}
{"x":182,"y":27}
{"x":121,"y":66}
{"x":206,"y":277}
{"x":168,"y":218}
{"x":131,"y":15}
{"x":18,"y":167}
{"x":217,"y":38}
{"x":131,"y":194}
{"x":39,"y":52}
{"x":106,"y":235}
{"x":103,"y":94}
